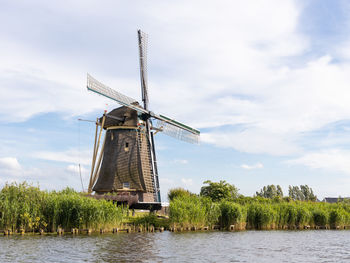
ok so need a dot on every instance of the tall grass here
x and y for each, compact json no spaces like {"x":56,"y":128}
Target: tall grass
{"x":149,"y":219}
{"x":258,"y":213}
{"x":23,"y":206}
{"x":187,"y":211}
{"x":232,"y":214}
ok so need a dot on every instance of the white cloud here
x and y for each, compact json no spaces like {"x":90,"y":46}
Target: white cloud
{"x":11,"y":170}
{"x":49,"y":177}
{"x":296,"y":101}
{"x":181,"y":161}
{"x":251,"y":167}
{"x":187,"y":182}
{"x":166,"y":181}
{"x":228,"y":33}
{"x":331,"y":160}
{"x":44,"y":83}
{"x":9,"y":163}
{"x":253,"y":141}
{"x":74,"y":168}
{"x":69,"y":156}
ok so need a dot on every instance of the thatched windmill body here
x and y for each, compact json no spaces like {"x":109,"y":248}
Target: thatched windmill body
{"x":127,"y":163}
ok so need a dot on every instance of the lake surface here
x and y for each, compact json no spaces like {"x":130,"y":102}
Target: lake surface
{"x":246,"y":246}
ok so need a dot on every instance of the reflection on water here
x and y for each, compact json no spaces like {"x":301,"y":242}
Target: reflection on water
{"x":248,"y":246}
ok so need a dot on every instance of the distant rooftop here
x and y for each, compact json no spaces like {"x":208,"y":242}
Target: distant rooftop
{"x":334,"y":199}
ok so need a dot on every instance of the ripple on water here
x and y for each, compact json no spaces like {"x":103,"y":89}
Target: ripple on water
{"x":246,"y":246}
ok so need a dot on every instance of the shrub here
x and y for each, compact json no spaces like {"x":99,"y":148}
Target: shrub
{"x":178,"y":192}
{"x":219,"y":191}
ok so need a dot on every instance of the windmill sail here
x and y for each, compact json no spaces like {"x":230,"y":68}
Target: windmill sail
{"x":143,"y":40}
{"x":176,"y":129}
{"x":101,"y":89}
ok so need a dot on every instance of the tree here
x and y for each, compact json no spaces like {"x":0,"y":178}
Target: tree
{"x":279,"y":191}
{"x":304,"y":193}
{"x":308,"y":193}
{"x":295,"y":193}
{"x":178,"y":192}
{"x":270,"y":191}
{"x":217,"y":191}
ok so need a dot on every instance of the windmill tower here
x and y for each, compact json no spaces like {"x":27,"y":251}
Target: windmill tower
{"x":126,"y":163}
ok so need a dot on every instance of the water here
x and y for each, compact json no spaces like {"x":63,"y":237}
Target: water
{"x":247,"y":246}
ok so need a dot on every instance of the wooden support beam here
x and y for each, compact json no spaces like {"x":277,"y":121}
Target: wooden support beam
{"x":93,"y":158}
{"x":122,"y":127}
{"x":98,"y":166}
{"x":95,"y":153}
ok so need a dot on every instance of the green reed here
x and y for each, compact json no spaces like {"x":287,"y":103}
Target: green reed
{"x":187,"y":211}
{"x":23,"y":206}
{"x":258,"y":213}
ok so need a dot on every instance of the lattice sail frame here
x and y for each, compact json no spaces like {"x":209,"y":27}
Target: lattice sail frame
{"x":101,"y":89}
{"x":176,"y":132}
{"x":143,"y":46}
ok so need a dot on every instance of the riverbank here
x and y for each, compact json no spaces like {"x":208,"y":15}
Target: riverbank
{"x":27,"y":209}
{"x":257,"y":213}
{"x":145,"y":229}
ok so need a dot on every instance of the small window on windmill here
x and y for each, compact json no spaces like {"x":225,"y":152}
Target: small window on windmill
{"x":126,"y":148}
{"x":126,"y":185}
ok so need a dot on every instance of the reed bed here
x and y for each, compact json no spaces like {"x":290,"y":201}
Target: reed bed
{"x":257,"y":213}
{"x":148,"y":220}
{"x":26,"y":207}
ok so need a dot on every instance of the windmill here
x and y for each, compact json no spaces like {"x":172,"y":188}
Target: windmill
{"x":126,"y":164}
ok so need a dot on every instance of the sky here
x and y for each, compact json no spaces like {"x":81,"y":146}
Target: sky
{"x":266,"y":82}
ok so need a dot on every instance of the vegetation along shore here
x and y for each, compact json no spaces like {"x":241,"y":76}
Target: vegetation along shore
{"x":27,"y":209}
